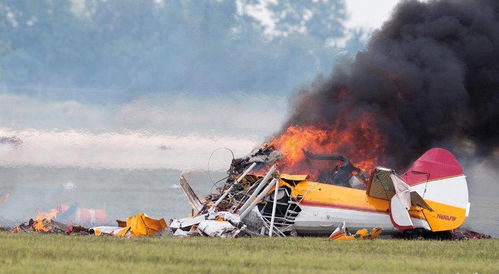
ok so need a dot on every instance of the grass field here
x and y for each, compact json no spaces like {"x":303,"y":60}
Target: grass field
{"x":58,"y":253}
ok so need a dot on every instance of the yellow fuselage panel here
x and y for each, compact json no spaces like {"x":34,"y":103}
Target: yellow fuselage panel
{"x":326,"y":195}
{"x":443,"y":217}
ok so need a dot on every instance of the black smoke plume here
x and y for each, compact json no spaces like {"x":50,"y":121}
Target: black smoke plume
{"x":429,"y":76}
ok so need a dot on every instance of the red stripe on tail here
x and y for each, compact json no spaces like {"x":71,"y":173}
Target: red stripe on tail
{"x":436,"y":163}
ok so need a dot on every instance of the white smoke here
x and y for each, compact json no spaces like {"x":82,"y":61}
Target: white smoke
{"x":149,"y":132}
{"x":483,"y":184}
{"x":132,"y":149}
{"x":233,"y":114}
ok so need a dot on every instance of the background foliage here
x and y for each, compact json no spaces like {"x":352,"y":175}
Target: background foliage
{"x":75,"y":49}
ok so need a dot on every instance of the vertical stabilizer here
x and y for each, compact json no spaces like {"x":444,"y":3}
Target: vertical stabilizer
{"x":439,"y":179}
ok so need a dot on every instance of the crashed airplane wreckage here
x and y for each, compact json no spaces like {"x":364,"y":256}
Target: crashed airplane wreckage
{"x":432,"y":196}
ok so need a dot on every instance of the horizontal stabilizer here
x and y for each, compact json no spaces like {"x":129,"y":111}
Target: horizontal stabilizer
{"x":417,"y":200}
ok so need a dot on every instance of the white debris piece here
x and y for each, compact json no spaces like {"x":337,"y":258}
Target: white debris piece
{"x":181,"y":233}
{"x":107,"y":229}
{"x":187,"y":221}
{"x":214,"y":228}
{"x":230,"y":217}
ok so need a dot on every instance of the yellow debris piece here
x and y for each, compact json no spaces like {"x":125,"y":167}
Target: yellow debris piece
{"x":292,"y":177}
{"x":142,"y":225}
{"x":361,"y":234}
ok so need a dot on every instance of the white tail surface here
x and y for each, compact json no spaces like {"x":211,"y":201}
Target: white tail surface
{"x":439,"y":179}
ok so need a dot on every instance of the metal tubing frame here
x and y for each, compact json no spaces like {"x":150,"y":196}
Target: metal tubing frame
{"x":232,"y":186}
{"x":274,"y":206}
{"x":258,"y":198}
{"x":257,"y":190}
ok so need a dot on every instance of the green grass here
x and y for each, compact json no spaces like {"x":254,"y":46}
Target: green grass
{"x":89,"y":254}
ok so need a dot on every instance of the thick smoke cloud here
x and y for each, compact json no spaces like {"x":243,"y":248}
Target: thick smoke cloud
{"x":429,"y":77}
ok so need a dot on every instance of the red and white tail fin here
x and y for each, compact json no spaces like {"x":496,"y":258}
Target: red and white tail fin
{"x":439,"y":178}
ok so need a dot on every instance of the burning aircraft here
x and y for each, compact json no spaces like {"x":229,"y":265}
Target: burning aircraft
{"x":428,"y":78}
{"x":431,"y":196}
{"x":309,"y":179}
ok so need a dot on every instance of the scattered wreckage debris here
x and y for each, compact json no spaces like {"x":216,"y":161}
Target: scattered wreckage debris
{"x":457,"y":234}
{"x":135,"y":226}
{"x":220,"y":224}
{"x":222,"y":213}
{"x":464,"y":234}
{"x":262,"y":157}
{"x":46,"y":225}
{"x":342,"y":234}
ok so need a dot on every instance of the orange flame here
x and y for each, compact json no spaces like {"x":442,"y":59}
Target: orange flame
{"x":360,"y":140}
{"x":40,"y":225}
{"x":47,"y":215}
{"x":44,"y":218}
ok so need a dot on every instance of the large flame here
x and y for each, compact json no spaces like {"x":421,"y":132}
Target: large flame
{"x":360,"y":140}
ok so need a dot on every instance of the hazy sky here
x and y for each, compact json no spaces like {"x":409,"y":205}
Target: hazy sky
{"x":369,"y":14}
{"x":362,"y":14}
{"x":162,"y":130}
